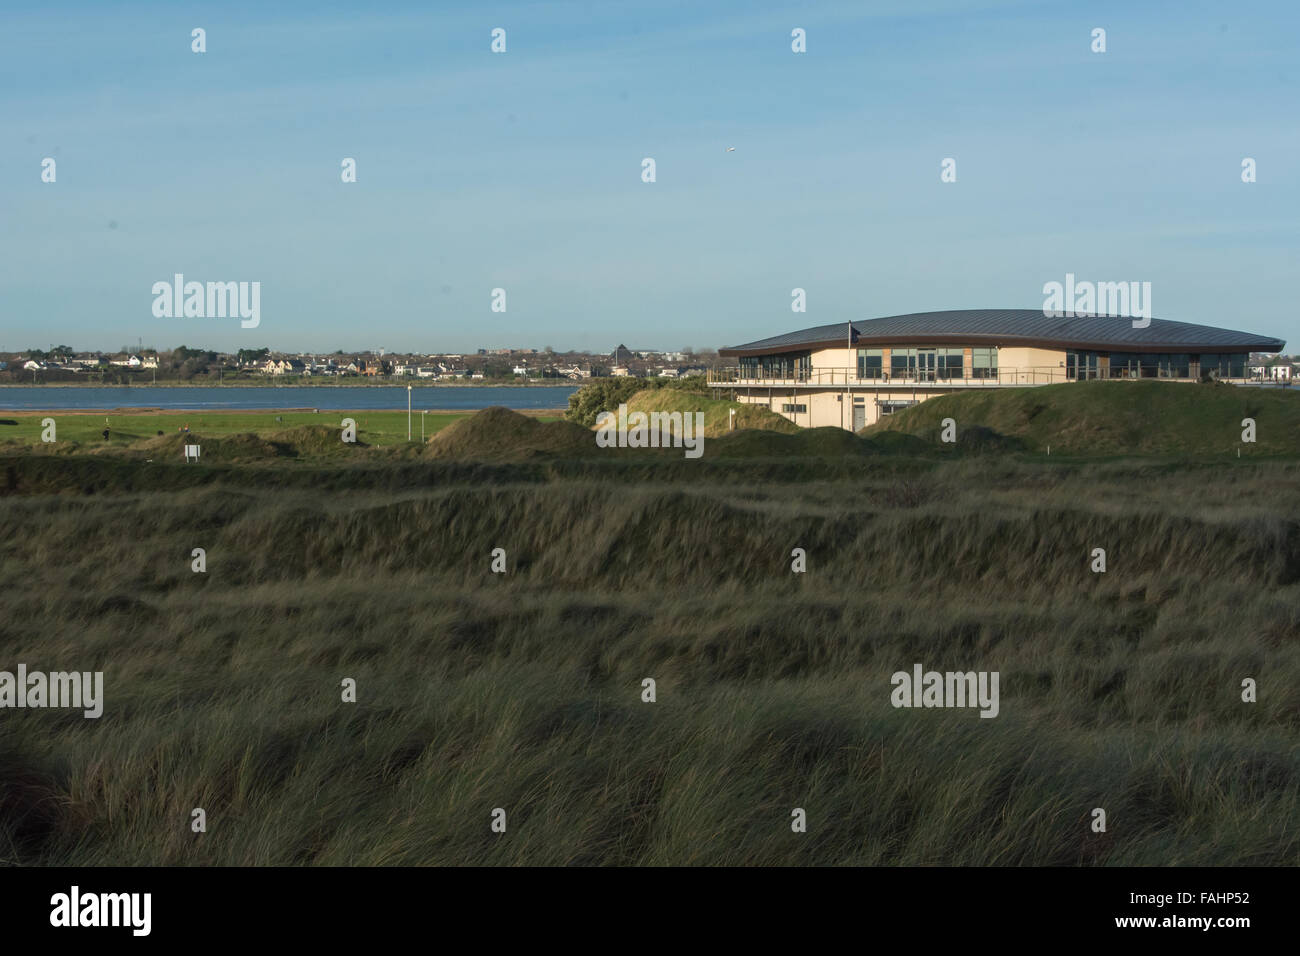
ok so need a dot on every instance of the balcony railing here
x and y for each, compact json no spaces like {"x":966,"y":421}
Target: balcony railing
{"x":852,"y":376}
{"x":939,"y":378}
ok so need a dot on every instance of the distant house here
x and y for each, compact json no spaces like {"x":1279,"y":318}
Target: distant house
{"x":32,"y":364}
{"x":621,"y":356}
{"x":1278,"y":372}
{"x":283,"y":367}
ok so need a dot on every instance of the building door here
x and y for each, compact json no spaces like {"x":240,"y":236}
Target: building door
{"x":925,"y":365}
{"x":859,"y":417}
{"x":1081,"y":365}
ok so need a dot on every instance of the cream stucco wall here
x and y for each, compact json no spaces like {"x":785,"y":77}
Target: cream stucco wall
{"x":835,"y":358}
{"x":1030,"y":366}
{"x":830,"y":407}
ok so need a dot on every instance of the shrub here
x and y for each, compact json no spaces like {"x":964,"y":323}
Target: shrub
{"x":605,"y":394}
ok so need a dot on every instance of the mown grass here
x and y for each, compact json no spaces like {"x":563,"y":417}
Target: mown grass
{"x":523,"y":691}
{"x":84,"y":432}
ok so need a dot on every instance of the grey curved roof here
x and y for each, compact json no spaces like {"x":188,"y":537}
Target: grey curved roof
{"x":1024,"y":327}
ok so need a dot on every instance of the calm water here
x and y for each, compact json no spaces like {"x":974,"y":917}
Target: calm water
{"x":334,"y":398}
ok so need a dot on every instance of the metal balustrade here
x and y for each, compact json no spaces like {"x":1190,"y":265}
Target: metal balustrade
{"x":940,"y":378}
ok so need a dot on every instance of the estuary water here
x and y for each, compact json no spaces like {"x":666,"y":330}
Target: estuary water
{"x":324,"y":397}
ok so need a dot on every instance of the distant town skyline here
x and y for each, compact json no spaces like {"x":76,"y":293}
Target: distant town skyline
{"x":478,"y":350}
{"x":523,"y":170}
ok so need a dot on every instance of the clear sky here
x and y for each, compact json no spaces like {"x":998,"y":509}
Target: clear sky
{"x":522,"y":170}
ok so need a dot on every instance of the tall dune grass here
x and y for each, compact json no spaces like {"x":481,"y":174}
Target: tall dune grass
{"x":475,"y":691}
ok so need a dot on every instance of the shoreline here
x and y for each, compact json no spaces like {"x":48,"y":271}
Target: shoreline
{"x":126,"y":412}
{"x":413,"y":385}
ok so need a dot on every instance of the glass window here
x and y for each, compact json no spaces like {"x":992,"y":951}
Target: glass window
{"x":1224,"y":364}
{"x":787,"y":365}
{"x":1124,"y":365}
{"x":1154,"y":364}
{"x":1082,"y":365}
{"x":889,"y":407}
{"x":1173,"y":365}
{"x":869,"y":363}
{"x":902,"y":363}
{"x":950,"y":363}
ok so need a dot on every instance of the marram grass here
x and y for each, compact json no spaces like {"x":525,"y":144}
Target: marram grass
{"x":523,"y":691}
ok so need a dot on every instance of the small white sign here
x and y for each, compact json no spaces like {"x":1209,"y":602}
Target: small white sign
{"x":191,"y":451}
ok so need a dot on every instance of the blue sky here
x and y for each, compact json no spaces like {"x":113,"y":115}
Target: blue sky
{"x":522,"y":170}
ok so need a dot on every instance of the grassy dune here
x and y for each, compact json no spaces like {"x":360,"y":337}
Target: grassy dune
{"x":717,"y":412}
{"x":477,"y":690}
{"x":522,"y":690}
{"x":499,"y":434}
{"x":1117,"y":417}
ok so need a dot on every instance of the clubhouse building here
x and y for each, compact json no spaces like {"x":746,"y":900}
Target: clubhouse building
{"x":853,"y":373}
